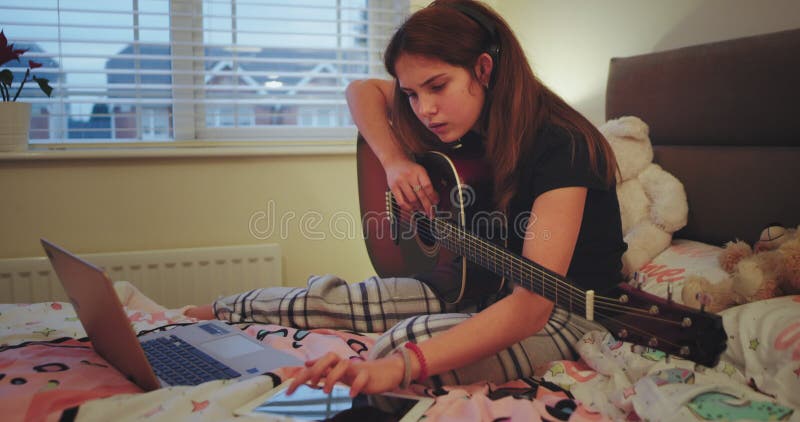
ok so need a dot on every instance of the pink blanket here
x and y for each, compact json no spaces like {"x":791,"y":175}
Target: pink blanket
{"x":44,"y":370}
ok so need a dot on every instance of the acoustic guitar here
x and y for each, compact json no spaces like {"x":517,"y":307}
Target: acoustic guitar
{"x":459,"y":252}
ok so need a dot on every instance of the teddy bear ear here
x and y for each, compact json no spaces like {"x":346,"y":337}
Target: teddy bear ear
{"x":635,"y":127}
{"x":609,"y":128}
{"x":630,"y":127}
{"x":772,"y":231}
{"x":771,"y":237}
{"x":635,"y":122}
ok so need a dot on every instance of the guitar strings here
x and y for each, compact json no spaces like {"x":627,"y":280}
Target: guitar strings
{"x":473,"y":244}
{"x":480,"y":244}
{"x":621,"y":308}
{"x":522,"y":265}
{"x":574,"y":294}
{"x":612,"y":304}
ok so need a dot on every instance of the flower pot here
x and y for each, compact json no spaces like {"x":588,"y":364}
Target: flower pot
{"x":15,"y":121}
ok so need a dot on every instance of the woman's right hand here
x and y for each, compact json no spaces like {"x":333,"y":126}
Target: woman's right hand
{"x":369,"y":377}
{"x":411,"y":186}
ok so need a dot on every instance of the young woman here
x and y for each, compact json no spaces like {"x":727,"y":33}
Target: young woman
{"x":461,"y":77}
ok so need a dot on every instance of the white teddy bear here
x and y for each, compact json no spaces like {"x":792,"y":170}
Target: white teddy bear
{"x":652,"y":202}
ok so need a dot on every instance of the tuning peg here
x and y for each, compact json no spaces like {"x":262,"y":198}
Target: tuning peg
{"x":684,"y":351}
{"x":623,"y":333}
{"x":705,"y":299}
{"x":653,"y":342}
{"x":686,"y":322}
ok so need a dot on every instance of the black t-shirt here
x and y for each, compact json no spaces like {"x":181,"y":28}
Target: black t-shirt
{"x":555,"y":161}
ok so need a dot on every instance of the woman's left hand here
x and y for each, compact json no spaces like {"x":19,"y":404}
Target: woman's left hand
{"x":371,"y":377}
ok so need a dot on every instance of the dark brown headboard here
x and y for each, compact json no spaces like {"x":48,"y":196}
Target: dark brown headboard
{"x":724,"y":119}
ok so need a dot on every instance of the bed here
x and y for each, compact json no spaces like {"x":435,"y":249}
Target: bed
{"x":722,"y":119}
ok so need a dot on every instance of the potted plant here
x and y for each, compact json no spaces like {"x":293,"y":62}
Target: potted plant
{"x":15,"y":117}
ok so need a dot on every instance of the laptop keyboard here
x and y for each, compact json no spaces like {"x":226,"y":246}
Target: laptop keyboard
{"x":179,"y":363}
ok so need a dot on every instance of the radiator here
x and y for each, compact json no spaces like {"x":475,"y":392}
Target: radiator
{"x":171,"y":277}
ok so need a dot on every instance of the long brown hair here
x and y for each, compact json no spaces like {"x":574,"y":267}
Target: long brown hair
{"x":517,"y":103}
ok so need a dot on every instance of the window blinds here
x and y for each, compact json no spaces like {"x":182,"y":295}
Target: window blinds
{"x":127,"y":71}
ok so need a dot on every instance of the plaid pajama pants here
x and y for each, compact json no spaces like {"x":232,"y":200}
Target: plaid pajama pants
{"x":403,"y":309}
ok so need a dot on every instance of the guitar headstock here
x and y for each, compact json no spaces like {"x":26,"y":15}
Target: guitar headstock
{"x":648,"y":320}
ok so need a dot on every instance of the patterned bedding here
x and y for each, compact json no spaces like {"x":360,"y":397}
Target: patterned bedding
{"x":48,"y":370}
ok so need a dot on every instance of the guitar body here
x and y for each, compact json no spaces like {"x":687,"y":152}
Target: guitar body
{"x":400,"y":245}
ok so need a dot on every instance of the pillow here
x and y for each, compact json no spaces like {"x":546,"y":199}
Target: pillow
{"x":681,"y":259}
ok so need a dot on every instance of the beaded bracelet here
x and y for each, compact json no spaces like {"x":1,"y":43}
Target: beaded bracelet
{"x":423,"y":366}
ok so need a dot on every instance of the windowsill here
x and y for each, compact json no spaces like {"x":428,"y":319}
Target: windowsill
{"x":188,"y":150}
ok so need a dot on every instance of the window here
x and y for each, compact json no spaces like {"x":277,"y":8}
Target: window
{"x":127,"y":71}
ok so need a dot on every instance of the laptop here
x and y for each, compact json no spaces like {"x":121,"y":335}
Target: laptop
{"x":185,"y":355}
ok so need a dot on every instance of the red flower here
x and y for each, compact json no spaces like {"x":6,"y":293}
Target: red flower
{"x":7,"y":52}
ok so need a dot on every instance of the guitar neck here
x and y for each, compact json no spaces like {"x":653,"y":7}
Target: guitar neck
{"x":633,"y":316}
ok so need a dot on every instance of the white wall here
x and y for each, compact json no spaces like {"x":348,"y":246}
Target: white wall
{"x":570,"y":42}
{"x":106,"y":205}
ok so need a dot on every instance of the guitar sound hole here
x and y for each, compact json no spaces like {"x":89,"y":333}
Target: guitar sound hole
{"x":424,"y":234}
